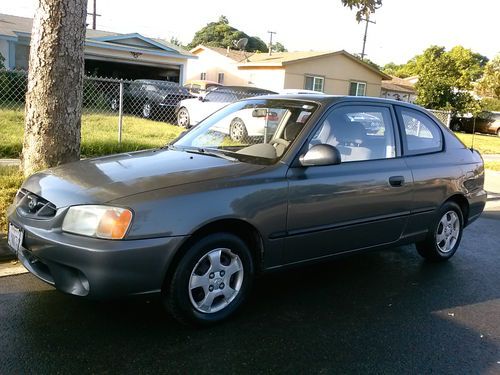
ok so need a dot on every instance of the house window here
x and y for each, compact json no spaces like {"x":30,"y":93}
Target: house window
{"x":220,"y":78}
{"x":314,"y":83}
{"x":357,"y":89}
{"x":203,"y":76}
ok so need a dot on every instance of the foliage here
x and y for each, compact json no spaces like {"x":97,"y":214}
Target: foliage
{"x":490,"y":104}
{"x":364,"y":7}
{"x":401,"y":70}
{"x":445,"y":78}
{"x":489,"y":85}
{"x":2,"y":61}
{"x":176,"y":42}
{"x":278,"y":47}
{"x":99,"y":134}
{"x":221,"y":34}
{"x":367,"y":61}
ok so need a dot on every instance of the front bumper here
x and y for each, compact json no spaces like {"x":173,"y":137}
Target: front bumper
{"x":93,"y":267}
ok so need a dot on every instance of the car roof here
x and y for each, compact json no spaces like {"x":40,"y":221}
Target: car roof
{"x":156,"y":82}
{"x":330,"y":99}
{"x":244,"y":89}
{"x":202,"y":81}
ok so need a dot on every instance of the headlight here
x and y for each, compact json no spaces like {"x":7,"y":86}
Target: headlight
{"x":98,"y":221}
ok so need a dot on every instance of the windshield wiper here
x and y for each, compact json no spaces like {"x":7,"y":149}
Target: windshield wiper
{"x":209,"y":152}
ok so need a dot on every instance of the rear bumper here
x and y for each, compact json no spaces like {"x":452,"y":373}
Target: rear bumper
{"x":96,"y":268}
{"x":477,"y":202}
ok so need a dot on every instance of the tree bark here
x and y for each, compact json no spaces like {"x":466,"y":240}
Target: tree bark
{"x":55,"y":85}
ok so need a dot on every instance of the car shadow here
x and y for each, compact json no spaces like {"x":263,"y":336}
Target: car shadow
{"x":379,"y":312}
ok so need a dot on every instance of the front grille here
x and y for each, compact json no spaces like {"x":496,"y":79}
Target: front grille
{"x":31,"y":205}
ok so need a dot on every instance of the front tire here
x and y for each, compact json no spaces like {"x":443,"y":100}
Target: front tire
{"x":211,"y":281}
{"x":444,"y":235}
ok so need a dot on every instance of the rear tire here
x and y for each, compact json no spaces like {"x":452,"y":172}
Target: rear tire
{"x":456,"y":127}
{"x":211,"y":281}
{"x":114,"y":104}
{"x":498,"y":132}
{"x":444,"y":234}
{"x":147,"y":110}
{"x":183,"y":118}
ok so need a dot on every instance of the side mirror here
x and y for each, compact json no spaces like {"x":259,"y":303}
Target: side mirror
{"x":320,"y":155}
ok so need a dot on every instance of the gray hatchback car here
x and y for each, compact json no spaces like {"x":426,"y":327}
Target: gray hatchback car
{"x":198,"y":219}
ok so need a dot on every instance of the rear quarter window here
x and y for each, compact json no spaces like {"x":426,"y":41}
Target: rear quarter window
{"x":421,"y":135}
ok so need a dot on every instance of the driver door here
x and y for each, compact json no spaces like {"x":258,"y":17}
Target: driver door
{"x":362,"y":202}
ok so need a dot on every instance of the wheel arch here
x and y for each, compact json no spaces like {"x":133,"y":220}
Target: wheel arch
{"x":463,"y":203}
{"x":241,"y":228}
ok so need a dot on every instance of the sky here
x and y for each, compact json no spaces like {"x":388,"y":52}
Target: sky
{"x":403,"y":28}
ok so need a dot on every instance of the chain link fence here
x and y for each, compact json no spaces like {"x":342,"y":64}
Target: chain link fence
{"x":122,"y":101}
{"x":443,"y":116}
{"x":111,"y":107}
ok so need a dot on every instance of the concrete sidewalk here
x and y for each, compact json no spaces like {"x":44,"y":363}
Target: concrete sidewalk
{"x":491,"y":157}
{"x":9,"y":162}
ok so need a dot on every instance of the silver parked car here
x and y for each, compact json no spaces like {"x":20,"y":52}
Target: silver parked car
{"x":198,"y":219}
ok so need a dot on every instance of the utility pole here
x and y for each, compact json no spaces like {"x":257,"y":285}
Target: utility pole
{"x":94,"y":15}
{"x":367,"y":19}
{"x":271,"y":42}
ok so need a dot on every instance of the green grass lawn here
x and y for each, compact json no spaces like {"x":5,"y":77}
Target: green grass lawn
{"x":493,"y":165}
{"x":10,"y":180}
{"x":99,"y":137}
{"x":485,"y":144}
{"x":99,"y":134}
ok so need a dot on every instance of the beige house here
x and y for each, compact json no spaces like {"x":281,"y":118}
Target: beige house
{"x":337,"y":73}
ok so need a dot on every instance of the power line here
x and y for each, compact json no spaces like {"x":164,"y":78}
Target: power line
{"x":367,"y":19}
{"x":271,"y":42}
{"x":94,"y":15}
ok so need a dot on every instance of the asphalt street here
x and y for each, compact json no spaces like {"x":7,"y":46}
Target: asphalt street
{"x":381,"y":312}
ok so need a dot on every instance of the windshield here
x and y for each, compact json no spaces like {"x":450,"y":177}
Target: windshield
{"x":254,"y":130}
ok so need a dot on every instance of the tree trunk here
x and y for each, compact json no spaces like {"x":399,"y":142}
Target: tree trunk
{"x":55,"y":85}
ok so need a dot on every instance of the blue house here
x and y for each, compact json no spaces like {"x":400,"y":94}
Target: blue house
{"x":107,"y":54}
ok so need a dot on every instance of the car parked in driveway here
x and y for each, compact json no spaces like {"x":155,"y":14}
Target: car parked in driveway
{"x":198,"y":87}
{"x":152,"y":98}
{"x":485,"y":122}
{"x":191,"y":111}
{"x":197,"y":220}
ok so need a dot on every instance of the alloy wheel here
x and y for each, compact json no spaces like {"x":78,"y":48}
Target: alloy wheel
{"x":215,"y":280}
{"x":447,"y":232}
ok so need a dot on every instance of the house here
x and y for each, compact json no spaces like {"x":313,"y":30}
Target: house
{"x":330,"y":72}
{"x":107,"y":54}
{"x":399,"y":89}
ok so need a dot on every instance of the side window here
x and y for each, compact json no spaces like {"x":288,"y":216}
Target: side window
{"x":358,"y":132}
{"x":421,"y":135}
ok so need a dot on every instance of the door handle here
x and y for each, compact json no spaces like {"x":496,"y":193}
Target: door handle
{"x":396,"y":181}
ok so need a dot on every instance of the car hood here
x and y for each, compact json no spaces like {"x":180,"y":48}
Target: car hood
{"x":100,"y":180}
